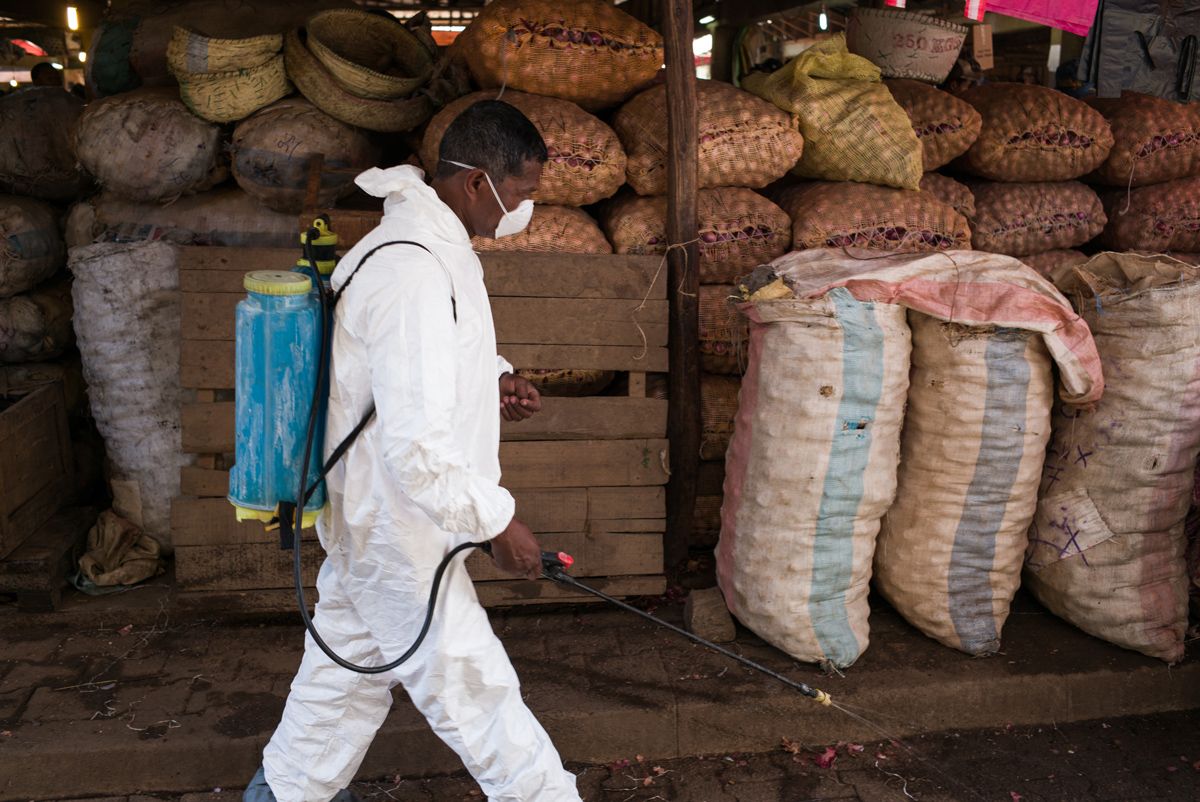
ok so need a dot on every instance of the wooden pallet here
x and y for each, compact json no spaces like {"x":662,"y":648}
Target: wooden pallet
{"x":588,"y":473}
{"x":37,"y":570}
{"x":36,"y":469}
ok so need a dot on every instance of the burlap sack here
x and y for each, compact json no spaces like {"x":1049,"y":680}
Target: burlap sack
{"x":1031,"y":133}
{"x":567,"y":382}
{"x":1017,"y":219}
{"x":744,"y":141}
{"x":272,"y":149}
{"x":718,"y":408}
{"x":1106,"y":546}
{"x":589,"y":51}
{"x":31,"y":247}
{"x":36,"y":326}
{"x":946,"y":125}
{"x":723,"y":331}
{"x":738,"y":229}
{"x":811,"y":470}
{"x":1056,"y":266}
{"x":956,"y":195}
{"x":146,"y":146}
{"x":37,"y":145}
{"x":1160,"y":218}
{"x":853,"y":129}
{"x":951,"y":547}
{"x":844,"y":214}
{"x":1154,"y":140}
{"x":553,"y":229}
{"x":586,"y":163}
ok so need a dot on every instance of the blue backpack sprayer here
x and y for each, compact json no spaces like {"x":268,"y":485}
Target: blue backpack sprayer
{"x":282,"y":383}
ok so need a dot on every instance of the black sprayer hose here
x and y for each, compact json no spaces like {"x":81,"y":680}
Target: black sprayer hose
{"x":306,"y":492}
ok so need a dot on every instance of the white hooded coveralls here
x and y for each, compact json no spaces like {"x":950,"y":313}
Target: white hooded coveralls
{"x":422,"y":478}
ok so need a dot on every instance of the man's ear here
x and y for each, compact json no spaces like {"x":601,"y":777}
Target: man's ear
{"x":474,"y":183}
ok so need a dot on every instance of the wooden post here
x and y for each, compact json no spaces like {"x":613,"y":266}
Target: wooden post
{"x":683,"y":277}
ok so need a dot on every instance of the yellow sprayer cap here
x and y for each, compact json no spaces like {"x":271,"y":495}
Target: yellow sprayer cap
{"x":277,"y":282}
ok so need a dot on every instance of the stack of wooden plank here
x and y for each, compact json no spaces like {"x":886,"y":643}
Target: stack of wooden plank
{"x":588,"y":473}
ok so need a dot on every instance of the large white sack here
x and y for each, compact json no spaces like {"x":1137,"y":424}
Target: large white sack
{"x":951,"y":546}
{"x":811,"y":469}
{"x":127,"y":327}
{"x":1107,"y":544}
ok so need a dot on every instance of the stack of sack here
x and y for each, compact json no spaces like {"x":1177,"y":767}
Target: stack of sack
{"x":1034,"y":145}
{"x":745,"y":143}
{"x":1152,"y":176}
{"x":831,"y":348}
{"x":1107,"y":545}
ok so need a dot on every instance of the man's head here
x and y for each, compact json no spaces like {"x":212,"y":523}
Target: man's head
{"x":498,"y":143}
{"x":44,"y":74}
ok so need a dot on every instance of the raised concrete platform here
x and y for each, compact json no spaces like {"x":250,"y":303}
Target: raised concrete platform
{"x":176,"y":704}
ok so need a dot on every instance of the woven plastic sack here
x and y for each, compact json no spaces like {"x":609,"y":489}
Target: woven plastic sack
{"x":718,"y":408}
{"x":108,"y":70}
{"x":1031,"y":133}
{"x":744,"y":141}
{"x":1055,"y":266}
{"x":585,"y":163}
{"x":946,"y":125}
{"x":221,"y":217}
{"x":1106,"y":549}
{"x":37,"y":149}
{"x":844,"y":214}
{"x":146,"y":146}
{"x":951,"y":547}
{"x":811,"y":470}
{"x":226,"y":97}
{"x":1154,"y":140}
{"x":1159,"y":218}
{"x":589,"y":51}
{"x":956,"y":195}
{"x":853,"y":129}
{"x":553,"y":229}
{"x":36,"y":326}
{"x":723,"y":331}
{"x":130,"y":356}
{"x":738,"y":229}
{"x":272,"y":149}
{"x":1018,"y":219}
{"x":568,"y":382}
{"x":31,"y":247}
{"x":191,"y":52}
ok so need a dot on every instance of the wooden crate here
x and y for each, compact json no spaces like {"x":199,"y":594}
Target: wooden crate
{"x":588,"y":473}
{"x":35,"y":462}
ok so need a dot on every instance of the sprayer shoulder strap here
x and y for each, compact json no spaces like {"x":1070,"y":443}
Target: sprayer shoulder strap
{"x":349,"y":439}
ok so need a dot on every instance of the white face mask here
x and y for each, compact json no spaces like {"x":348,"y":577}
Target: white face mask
{"x":512,"y":222}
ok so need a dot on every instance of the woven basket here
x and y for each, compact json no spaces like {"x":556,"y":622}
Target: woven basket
{"x":190,"y":52}
{"x":946,"y":126}
{"x":317,"y":84}
{"x":225,"y":97}
{"x":956,"y":195}
{"x":905,"y":44}
{"x":586,"y":162}
{"x":1031,"y":133}
{"x":724,"y":332}
{"x":1159,"y":218}
{"x":739,"y":229}
{"x":568,"y":382}
{"x":845,"y":214}
{"x":553,"y":229}
{"x":369,"y":55}
{"x":1018,"y":219}
{"x":745,"y":141}
{"x":718,"y":408}
{"x":1154,"y":140}
{"x":586,"y":51}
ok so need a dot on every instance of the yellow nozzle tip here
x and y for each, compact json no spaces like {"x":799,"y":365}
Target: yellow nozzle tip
{"x":823,"y":698}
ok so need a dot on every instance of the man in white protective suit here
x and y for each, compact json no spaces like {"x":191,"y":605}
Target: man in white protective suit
{"x":413,"y":332}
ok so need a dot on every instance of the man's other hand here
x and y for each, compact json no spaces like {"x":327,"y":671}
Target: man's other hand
{"x":517,"y":551}
{"x":519,"y":399}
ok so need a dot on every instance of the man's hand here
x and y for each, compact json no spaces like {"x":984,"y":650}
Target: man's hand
{"x":517,"y":551}
{"x":519,"y":399}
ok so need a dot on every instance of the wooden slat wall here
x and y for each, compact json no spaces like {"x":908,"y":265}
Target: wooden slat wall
{"x":588,"y":474}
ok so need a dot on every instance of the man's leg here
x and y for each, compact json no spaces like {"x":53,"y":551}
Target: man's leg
{"x":465,"y":685}
{"x":332,"y":713}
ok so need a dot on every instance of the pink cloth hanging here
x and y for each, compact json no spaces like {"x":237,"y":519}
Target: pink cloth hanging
{"x":1075,"y":16}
